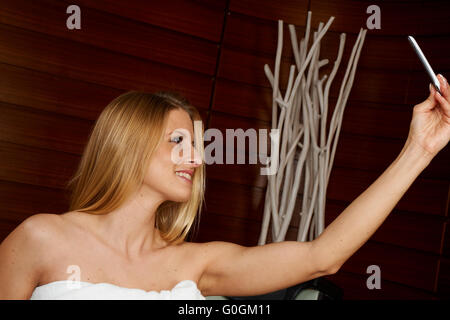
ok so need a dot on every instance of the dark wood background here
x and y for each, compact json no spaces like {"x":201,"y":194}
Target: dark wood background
{"x":54,"y":82}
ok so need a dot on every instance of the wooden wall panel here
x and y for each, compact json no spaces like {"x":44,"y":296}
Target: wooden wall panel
{"x":252,"y":34}
{"x":146,"y":41}
{"x":48,"y":168}
{"x":248,"y":202}
{"x":418,"y":86}
{"x":45,"y":130}
{"x":446,"y":238}
{"x":434,"y":48}
{"x":20,"y":200}
{"x":198,"y":18}
{"x":444,"y":279}
{"x":243,"y":100}
{"x":425,"y":195}
{"x":376,"y":154}
{"x":29,"y":49}
{"x":292,"y":11}
{"x":439,"y":24}
{"x":34,"y":89}
{"x":214,"y":227}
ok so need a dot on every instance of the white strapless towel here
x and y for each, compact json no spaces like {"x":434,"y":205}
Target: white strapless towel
{"x":80,"y":290}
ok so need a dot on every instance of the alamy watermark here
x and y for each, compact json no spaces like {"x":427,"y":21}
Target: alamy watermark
{"x":214,"y":151}
{"x":74,"y":20}
{"x":73,"y":281}
{"x":374,"y":281}
{"x":374,"y":20}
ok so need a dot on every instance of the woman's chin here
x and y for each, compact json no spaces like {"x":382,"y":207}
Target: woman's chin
{"x":181,"y":198}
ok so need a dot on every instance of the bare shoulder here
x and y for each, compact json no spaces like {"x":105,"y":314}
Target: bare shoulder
{"x":22,"y":255}
{"x":36,"y":228}
{"x":35,"y":236}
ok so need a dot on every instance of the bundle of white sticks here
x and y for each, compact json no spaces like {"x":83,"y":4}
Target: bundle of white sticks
{"x":304,"y":104}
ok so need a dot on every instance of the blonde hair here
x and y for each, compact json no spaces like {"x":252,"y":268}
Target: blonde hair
{"x":117,"y":155}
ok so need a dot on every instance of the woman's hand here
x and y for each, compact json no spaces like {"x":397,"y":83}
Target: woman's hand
{"x":430,"y":125}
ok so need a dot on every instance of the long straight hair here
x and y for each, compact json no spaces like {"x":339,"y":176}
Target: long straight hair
{"x":117,"y":155}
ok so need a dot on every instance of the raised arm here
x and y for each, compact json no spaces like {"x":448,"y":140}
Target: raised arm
{"x":429,"y":133}
{"x":235,"y":270}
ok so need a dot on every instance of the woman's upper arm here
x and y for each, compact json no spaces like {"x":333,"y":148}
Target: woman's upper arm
{"x":235,"y":270}
{"x":21,"y":257}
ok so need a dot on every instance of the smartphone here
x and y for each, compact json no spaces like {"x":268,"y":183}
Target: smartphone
{"x":426,"y":65}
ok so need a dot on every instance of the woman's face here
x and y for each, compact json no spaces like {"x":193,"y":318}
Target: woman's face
{"x":173,"y":155}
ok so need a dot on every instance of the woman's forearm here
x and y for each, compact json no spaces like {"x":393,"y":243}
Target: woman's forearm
{"x":359,"y":221}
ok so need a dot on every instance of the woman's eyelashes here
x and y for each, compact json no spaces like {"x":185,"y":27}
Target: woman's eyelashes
{"x":179,"y":139}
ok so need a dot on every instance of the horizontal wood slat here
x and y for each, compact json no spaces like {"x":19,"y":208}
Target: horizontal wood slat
{"x":74,"y":60}
{"x":215,"y":227}
{"x":203,"y":18}
{"x":124,"y":35}
{"x":26,"y":126}
{"x":43,"y":91}
{"x":47,"y":168}
{"x":247,"y":174}
{"x":243,"y":100}
{"x":37,"y":200}
{"x":292,"y":11}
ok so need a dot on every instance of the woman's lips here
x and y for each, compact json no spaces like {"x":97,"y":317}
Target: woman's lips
{"x":186,"y":179}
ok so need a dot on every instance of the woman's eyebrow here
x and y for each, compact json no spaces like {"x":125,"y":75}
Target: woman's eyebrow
{"x":178,"y":131}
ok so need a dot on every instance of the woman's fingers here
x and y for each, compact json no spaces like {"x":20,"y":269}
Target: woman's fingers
{"x":429,"y":103}
{"x":445,"y":105}
{"x":444,"y":87}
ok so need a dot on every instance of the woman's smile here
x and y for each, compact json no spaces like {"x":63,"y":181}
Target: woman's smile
{"x":184,"y":175}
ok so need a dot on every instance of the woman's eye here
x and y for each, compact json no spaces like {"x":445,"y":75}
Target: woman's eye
{"x":177,"y":139}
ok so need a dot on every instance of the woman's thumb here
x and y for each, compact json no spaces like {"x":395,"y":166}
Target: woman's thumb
{"x":429,"y":103}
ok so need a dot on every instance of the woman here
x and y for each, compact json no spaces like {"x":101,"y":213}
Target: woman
{"x":132,"y":208}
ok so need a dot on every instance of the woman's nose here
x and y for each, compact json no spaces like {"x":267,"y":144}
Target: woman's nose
{"x":196,"y":158}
